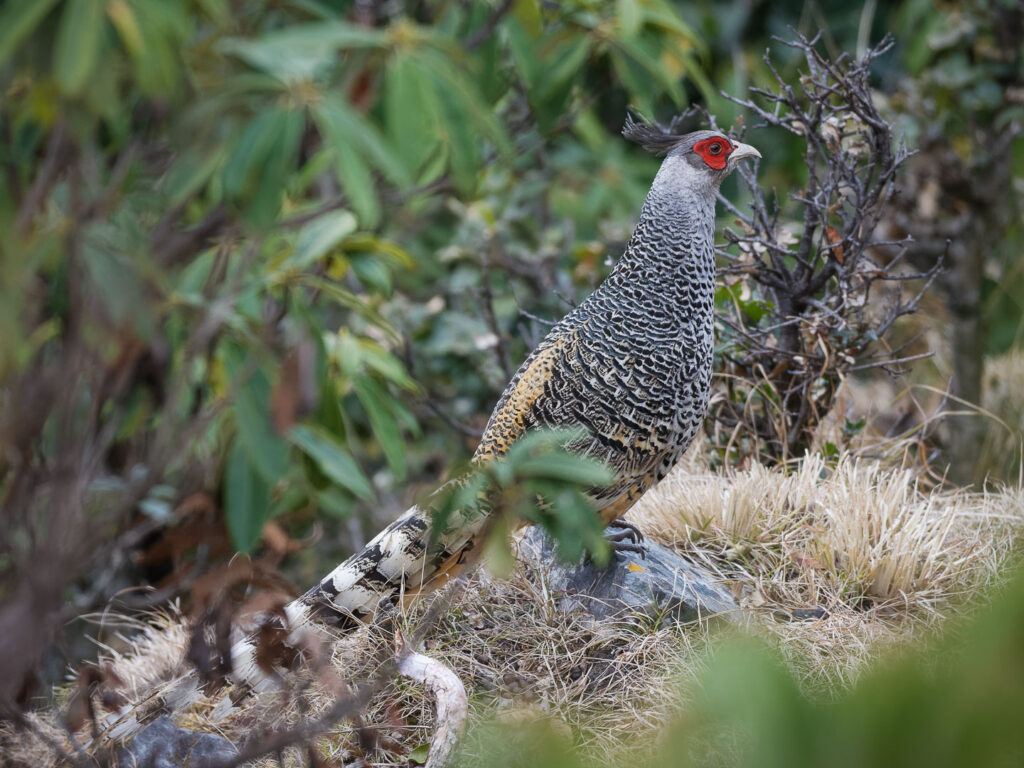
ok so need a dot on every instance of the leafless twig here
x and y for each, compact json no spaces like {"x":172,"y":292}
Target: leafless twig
{"x":801,"y":310}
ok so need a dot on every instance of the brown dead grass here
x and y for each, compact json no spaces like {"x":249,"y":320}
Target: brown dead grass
{"x":884,"y":557}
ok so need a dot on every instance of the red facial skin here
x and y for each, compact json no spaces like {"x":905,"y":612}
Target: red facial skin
{"x":714,"y":151}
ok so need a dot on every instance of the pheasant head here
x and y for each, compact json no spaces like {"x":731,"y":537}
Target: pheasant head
{"x":696,"y":161}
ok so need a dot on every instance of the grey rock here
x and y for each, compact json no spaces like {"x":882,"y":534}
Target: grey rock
{"x":161,"y":744}
{"x":660,"y":585}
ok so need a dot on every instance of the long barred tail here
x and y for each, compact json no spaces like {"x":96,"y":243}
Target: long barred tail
{"x":401,"y":562}
{"x":401,"y":558}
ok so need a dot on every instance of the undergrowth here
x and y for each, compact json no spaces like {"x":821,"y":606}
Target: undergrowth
{"x":868,"y":555}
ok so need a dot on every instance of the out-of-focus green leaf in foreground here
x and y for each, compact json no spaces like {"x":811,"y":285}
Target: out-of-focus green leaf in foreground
{"x":540,"y":480}
{"x":956,"y":700}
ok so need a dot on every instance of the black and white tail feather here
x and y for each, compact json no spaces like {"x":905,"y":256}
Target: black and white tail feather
{"x":401,"y":561}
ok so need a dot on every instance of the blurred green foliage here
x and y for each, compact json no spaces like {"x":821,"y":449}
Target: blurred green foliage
{"x":318,"y":237}
{"x":963,"y":77}
{"x":313,"y":158}
{"x":539,"y":481}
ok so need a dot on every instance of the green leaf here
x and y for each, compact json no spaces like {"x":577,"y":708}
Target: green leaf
{"x":290,"y":498}
{"x":164,"y":28}
{"x":565,"y":467}
{"x":256,"y":171}
{"x":77,"y":46}
{"x":123,"y":18}
{"x":420,"y":754}
{"x":251,"y":406}
{"x":246,"y":500}
{"x":356,"y":179}
{"x":854,"y":427}
{"x":376,"y":402}
{"x":320,"y":236}
{"x":329,"y":414}
{"x":371,"y":272}
{"x":638,"y":87}
{"x":341,"y":124}
{"x":529,"y":15}
{"x":395,"y":253}
{"x":524,"y":54}
{"x":115,"y":277}
{"x":754,"y":309}
{"x":18,"y":20}
{"x":388,"y":366}
{"x":664,"y":16}
{"x":190,"y":171}
{"x":300,"y":52}
{"x":647,"y":60}
{"x":242,"y":172}
{"x":629,"y":15}
{"x":334,"y":460}
{"x":463,"y":144}
{"x":497,"y":547}
{"x":349,"y":300}
{"x":410,"y":108}
{"x":218,"y":10}
{"x":454,"y":83}
{"x":573,"y":523}
{"x":335,"y":502}
{"x":562,"y":66}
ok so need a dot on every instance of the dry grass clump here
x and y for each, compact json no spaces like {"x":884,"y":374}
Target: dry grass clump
{"x":518,"y":655}
{"x":852,"y":535}
{"x":520,"y":658}
{"x":881,"y":555}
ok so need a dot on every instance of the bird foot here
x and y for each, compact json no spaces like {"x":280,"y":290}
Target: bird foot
{"x":622,"y":537}
{"x":625,"y":537}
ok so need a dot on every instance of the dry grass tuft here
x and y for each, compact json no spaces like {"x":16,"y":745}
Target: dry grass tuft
{"x":884,"y":557}
{"x":880,"y":554}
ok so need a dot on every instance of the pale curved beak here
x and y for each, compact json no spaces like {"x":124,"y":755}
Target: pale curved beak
{"x":741,"y":152}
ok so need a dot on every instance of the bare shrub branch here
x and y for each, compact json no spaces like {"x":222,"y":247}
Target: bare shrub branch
{"x":800,"y":308}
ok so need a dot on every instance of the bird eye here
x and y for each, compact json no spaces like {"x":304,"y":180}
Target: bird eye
{"x":715,"y":149}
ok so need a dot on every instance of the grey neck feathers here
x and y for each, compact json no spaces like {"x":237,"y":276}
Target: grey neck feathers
{"x":673,"y":244}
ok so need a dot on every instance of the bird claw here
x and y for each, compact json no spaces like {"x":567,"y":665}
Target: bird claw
{"x":625,"y":537}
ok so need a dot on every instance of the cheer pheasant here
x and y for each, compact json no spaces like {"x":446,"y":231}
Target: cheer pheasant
{"x":630,"y":366}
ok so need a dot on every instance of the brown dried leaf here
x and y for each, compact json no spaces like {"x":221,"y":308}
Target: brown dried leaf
{"x":295,"y":391}
{"x":212,"y":588}
{"x":273,"y":650}
{"x":79,"y":710}
{"x":278,"y":541}
{"x":93,"y":682}
{"x":199,"y":525}
{"x":209,"y":648}
{"x":780,"y":368}
{"x":835,"y":239}
{"x":111,"y":692}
